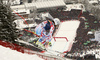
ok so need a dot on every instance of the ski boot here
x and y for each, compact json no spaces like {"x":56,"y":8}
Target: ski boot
{"x":40,"y":45}
{"x":50,"y":44}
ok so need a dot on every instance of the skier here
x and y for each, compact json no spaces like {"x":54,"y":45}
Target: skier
{"x":45,"y":31}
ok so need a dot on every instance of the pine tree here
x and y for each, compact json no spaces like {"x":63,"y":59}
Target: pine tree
{"x":7,"y":28}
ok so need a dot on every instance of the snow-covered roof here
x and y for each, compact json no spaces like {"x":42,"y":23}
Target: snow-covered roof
{"x":75,"y":6}
{"x":44,"y":15}
{"x":39,"y":5}
{"x":21,"y":11}
{"x":93,"y":1}
{"x":48,"y":4}
{"x":20,"y":24}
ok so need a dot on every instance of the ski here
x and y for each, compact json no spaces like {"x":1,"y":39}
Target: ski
{"x":35,"y":47}
{"x":30,"y":46}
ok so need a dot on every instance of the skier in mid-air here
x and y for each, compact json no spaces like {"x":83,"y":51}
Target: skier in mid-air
{"x":45,"y":31}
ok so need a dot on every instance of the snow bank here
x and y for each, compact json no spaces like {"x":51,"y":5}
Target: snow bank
{"x":8,"y":54}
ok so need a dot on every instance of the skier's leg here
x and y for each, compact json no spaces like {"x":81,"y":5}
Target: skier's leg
{"x":40,"y":44}
{"x":47,"y":43}
{"x":50,"y":44}
{"x":34,"y":41}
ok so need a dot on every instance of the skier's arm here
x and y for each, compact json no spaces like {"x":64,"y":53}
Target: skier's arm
{"x":38,"y":29}
{"x":51,"y":32}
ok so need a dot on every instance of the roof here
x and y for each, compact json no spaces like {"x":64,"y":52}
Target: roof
{"x":48,"y":4}
{"x":39,"y":5}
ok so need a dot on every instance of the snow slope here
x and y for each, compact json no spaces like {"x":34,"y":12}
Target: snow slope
{"x":65,"y":36}
{"x":67,"y":29}
{"x":8,"y":54}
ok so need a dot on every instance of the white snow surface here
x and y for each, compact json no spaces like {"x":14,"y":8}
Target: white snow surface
{"x":8,"y":54}
{"x":67,"y":30}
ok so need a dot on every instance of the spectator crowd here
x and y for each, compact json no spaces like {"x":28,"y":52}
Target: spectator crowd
{"x":82,"y":42}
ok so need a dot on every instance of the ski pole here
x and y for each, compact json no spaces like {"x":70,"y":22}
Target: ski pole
{"x":21,"y":17}
{"x":32,"y":32}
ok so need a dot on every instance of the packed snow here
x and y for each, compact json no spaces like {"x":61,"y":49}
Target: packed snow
{"x":8,"y":54}
{"x":67,"y":31}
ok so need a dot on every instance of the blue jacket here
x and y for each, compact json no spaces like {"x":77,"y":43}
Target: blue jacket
{"x":41,"y":32}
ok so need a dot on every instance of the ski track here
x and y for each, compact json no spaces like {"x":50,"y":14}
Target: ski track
{"x":67,"y":29}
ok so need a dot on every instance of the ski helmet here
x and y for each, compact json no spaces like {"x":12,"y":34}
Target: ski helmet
{"x":47,"y":26}
{"x":56,"y":21}
{"x":49,"y":19}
